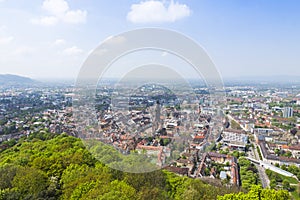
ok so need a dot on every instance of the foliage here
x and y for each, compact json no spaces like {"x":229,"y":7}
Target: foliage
{"x":280,"y":178}
{"x":237,"y":154}
{"x":61,"y":167}
{"x":256,"y":192}
{"x":248,"y":173}
{"x":294,"y":170}
{"x":54,"y":166}
{"x":259,"y":153}
{"x":235,"y":125}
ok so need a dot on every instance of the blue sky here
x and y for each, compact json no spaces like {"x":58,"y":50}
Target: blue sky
{"x":52,"y":38}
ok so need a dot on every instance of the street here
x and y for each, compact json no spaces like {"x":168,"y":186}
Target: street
{"x":261,"y":171}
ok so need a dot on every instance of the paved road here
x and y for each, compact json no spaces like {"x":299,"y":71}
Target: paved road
{"x":255,"y":152}
{"x":263,"y":176}
{"x":261,"y":171}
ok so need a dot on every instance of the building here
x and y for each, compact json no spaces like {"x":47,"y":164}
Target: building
{"x":235,"y":139}
{"x":272,"y":158}
{"x":287,"y":112}
{"x":232,"y":170}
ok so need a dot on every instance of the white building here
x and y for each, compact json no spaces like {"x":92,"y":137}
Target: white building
{"x":287,"y":112}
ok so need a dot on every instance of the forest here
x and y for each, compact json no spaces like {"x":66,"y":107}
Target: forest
{"x":52,"y":166}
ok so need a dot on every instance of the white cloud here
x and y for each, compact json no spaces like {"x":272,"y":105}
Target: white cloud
{"x":45,"y":21}
{"x":114,"y":40}
{"x":75,"y":16}
{"x":6,"y":40}
{"x":72,"y":51}
{"x":156,"y":11}
{"x":55,"y":7}
{"x":60,"y":12}
{"x":59,"y":42}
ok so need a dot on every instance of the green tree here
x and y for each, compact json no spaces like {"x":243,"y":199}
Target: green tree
{"x":286,"y":185}
{"x":147,"y":193}
{"x":7,"y":174}
{"x":273,"y":183}
{"x":30,"y":182}
{"x":277,"y":152}
{"x":119,"y":190}
{"x":257,"y":193}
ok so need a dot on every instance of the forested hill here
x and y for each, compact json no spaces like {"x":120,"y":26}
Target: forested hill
{"x":49,"y":166}
{"x":14,"y":80}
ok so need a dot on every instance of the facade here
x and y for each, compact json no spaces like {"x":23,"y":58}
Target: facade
{"x":272,"y":158}
{"x":287,"y":112}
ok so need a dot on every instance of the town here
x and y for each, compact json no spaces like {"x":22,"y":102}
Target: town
{"x":251,"y":137}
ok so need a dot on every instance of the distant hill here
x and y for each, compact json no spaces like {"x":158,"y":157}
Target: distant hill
{"x":15,"y":80}
{"x":262,"y":80}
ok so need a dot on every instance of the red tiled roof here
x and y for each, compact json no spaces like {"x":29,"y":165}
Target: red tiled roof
{"x":153,"y":148}
{"x":178,"y":170}
{"x":295,"y":147}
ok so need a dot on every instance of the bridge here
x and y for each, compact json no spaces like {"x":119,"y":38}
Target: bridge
{"x":272,"y":167}
{"x":254,"y":160}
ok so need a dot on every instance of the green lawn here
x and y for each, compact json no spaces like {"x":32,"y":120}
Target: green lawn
{"x":291,"y":180}
{"x":295,"y":194}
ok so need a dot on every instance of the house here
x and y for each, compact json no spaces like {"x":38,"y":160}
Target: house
{"x":217,"y":157}
{"x":223,"y":175}
{"x":295,"y":151}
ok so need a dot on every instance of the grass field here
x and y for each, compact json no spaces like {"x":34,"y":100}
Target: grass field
{"x":294,"y":193}
{"x":272,"y":174}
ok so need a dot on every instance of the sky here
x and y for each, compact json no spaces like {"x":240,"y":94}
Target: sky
{"x":52,"y":38}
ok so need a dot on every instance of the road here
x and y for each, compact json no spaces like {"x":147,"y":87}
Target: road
{"x":261,"y":171}
{"x":263,"y":176}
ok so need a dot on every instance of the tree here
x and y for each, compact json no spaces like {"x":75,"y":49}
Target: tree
{"x":7,"y":174}
{"x":236,"y":153}
{"x":273,"y":184}
{"x":82,"y":189}
{"x":288,"y":154}
{"x":30,"y":182}
{"x":293,"y":169}
{"x":62,"y":168}
{"x":258,"y":193}
{"x":219,"y":146}
{"x":147,"y":193}
{"x":286,"y":184}
{"x":277,"y":152}
{"x":119,"y":190}
{"x":248,"y":173}
{"x":283,"y":167}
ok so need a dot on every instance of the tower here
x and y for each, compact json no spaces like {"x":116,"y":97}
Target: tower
{"x":156,"y":122}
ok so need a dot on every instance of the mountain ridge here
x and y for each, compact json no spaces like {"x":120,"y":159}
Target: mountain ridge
{"x":11,"y":79}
